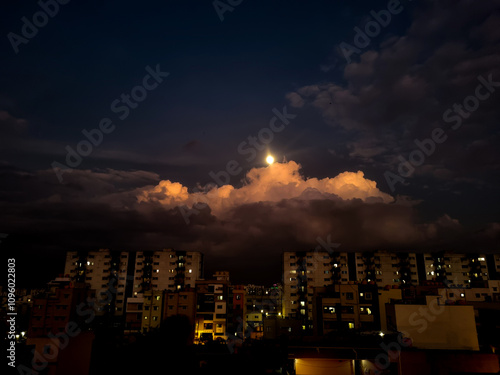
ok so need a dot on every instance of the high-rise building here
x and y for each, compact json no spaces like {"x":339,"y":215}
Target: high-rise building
{"x":305,"y":270}
{"x":167,"y":270}
{"x":458,"y":269}
{"x":104,"y":271}
{"x":386,"y":268}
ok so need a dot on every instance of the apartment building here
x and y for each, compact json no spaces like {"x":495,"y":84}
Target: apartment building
{"x":212,"y":308}
{"x":133,"y":317}
{"x":152,"y":310}
{"x":61,"y":310}
{"x":345,"y":306}
{"x":105,"y":272}
{"x":180,"y":303}
{"x":237,"y":309}
{"x":166,"y":270}
{"x":55,"y":308}
{"x":387,"y":268}
{"x":493,"y":261}
{"x":303,"y":271}
{"x":458,"y":269}
{"x":261,"y":302}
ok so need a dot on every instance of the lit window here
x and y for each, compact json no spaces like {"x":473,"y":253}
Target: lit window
{"x":351,"y":325}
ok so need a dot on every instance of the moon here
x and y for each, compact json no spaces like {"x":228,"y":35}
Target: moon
{"x":270,"y":159}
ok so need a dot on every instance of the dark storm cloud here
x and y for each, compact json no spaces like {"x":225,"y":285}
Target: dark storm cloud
{"x":399,"y":91}
{"x":100,"y":209}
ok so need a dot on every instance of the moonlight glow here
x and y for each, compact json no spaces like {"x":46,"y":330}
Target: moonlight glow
{"x":270,"y":159}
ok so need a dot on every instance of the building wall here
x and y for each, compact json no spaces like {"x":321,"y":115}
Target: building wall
{"x":496,"y":261}
{"x":180,"y":303}
{"x":384,"y":297}
{"x":453,"y":327}
{"x":74,"y":358}
{"x":323,"y":366}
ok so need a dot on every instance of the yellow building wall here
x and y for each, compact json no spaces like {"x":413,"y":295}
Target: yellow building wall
{"x":438,"y":327}
{"x":322,"y":366}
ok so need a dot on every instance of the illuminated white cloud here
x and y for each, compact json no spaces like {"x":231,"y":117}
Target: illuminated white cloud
{"x":268,"y":184}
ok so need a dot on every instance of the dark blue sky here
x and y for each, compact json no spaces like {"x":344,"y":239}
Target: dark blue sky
{"x":225,"y":79}
{"x":225,"y":76}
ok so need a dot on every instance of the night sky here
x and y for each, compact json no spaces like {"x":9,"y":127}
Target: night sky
{"x":181,"y":103}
